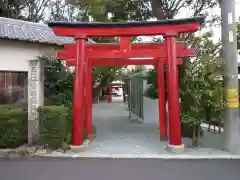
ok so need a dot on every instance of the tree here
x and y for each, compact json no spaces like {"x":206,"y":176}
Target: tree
{"x":139,"y":10}
{"x":29,"y":10}
{"x":238,"y":34}
{"x":12,"y":9}
{"x":167,"y":9}
{"x":35,"y":10}
{"x":60,"y":11}
{"x":58,"y":83}
{"x":201,"y":89}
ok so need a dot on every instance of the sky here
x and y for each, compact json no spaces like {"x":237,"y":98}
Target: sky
{"x":217,"y":30}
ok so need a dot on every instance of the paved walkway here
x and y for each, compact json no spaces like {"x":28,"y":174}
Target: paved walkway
{"x":117,"y":136}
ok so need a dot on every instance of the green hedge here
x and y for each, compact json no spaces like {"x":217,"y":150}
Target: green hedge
{"x":13,"y":126}
{"x":56,"y":127}
{"x":69,"y":127}
{"x":52,"y":126}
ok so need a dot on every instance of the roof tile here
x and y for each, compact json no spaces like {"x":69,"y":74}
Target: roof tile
{"x":32,"y":32}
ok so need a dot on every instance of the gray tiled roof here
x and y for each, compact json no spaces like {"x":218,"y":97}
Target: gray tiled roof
{"x":29,"y":31}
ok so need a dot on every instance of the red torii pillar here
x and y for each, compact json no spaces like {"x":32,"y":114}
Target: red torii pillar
{"x":88,"y":123}
{"x":78,"y":92}
{"x":173,"y":96}
{"x":161,"y":100}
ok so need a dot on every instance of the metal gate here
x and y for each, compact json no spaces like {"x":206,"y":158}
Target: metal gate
{"x":136,"y":95}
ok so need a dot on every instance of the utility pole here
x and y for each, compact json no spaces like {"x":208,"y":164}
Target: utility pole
{"x":229,"y":55}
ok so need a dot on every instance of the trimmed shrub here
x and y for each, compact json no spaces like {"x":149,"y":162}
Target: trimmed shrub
{"x":13,"y":126}
{"x":69,"y":128}
{"x":53,"y":126}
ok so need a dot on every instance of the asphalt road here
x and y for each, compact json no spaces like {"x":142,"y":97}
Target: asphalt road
{"x":117,"y":169}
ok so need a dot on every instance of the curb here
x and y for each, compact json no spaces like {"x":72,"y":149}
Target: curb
{"x":15,"y":153}
{"x":130,"y":156}
{"x":73,"y":149}
{"x":163,"y":156}
{"x":34,"y":151}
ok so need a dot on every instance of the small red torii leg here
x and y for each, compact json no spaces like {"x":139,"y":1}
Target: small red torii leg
{"x":161,"y":100}
{"x":89,"y":99}
{"x":109,"y":94}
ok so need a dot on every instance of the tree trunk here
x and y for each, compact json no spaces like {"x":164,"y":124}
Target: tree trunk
{"x":198,"y":135}
{"x":157,"y":10}
{"x":194,"y":136}
{"x":208,"y":114}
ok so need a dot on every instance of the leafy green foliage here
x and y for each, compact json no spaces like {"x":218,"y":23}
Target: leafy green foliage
{"x":119,"y":9}
{"x":152,"y":91}
{"x":69,"y":120}
{"x":141,"y":10}
{"x":59,"y":91}
{"x":58,"y":83}
{"x":238,"y":35}
{"x":13,"y":126}
{"x":52,"y":126}
{"x":201,"y":87}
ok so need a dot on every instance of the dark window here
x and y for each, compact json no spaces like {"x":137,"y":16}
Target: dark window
{"x":13,"y":87}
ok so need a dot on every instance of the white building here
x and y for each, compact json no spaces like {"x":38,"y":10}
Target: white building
{"x":21,"y":43}
{"x":21,"y":73}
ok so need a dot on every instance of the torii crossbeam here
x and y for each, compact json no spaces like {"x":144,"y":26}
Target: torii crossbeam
{"x":139,"y":50}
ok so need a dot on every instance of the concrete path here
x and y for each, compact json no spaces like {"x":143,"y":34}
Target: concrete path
{"x":117,"y":136}
{"x":117,"y":169}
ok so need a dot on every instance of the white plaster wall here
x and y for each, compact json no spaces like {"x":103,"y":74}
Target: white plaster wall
{"x":14,"y":55}
{"x":150,"y":111}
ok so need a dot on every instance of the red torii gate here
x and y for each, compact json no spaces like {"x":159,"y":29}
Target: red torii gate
{"x":170,"y":29}
{"x":69,"y":51}
{"x":109,"y":87}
